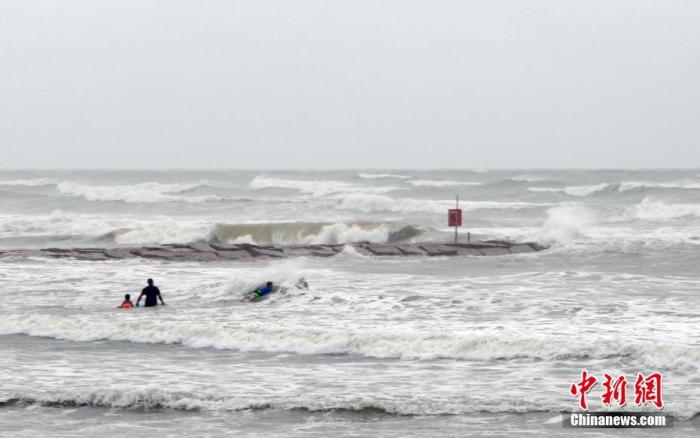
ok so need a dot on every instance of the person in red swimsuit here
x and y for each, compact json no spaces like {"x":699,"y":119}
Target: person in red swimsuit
{"x":127,"y":304}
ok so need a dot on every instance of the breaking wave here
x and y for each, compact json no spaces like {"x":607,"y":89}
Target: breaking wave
{"x":160,"y":399}
{"x":381,"y":176}
{"x":635,"y":185}
{"x":527,"y":178}
{"x":578,"y":191}
{"x":315,"y":187}
{"x":625,"y":186}
{"x":147,"y":192}
{"x":377,"y":203}
{"x":29,"y":182}
{"x":310,"y":233}
{"x":442,"y":183}
{"x":160,"y":230}
{"x":309,"y":340}
{"x":565,"y":223}
{"x":155,"y":399}
{"x":652,"y":210}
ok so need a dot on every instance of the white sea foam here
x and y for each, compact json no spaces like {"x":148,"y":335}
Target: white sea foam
{"x":313,"y":233}
{"x":632,"y":185}
{"x":442,"y":183}
{"x":546,"y":189}
{"x":307,"y":340}
{"x":501,"y":233}
{"x":585,"y":190}
{"x":370,"y":203}
{"x":351,"y":251}
{"x":120,"y":229}
{"x":147,"y":192}
{"x":316,"y":187}
{"x":526,"y":178}
{"x":344,"y":233}
{"x":245,"y":238}
{"x":381,"y":176}
{"x":153,"y":398}
{"x":653,"y":210}
{"x":29,"y":182}
{"x":579,"y":191}
{"x":157,"y":398}
{"x":378,"y":203}
{"x":56,"y":223}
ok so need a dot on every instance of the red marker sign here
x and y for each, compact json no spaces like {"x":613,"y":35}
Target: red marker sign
{"x":454,"y":217}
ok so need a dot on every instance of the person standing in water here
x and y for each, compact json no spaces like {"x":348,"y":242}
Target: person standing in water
{"x":152,"y":295}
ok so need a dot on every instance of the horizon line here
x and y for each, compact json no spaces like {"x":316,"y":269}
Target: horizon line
{"x":316,"y":169}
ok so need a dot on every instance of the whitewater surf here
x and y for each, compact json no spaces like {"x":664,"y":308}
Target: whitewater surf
{"x":400,"y":330}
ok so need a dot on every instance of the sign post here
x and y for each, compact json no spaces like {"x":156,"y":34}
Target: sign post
{"x":454,"y":217}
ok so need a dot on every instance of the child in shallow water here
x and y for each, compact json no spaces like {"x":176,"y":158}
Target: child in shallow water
{"x":127,"y":304}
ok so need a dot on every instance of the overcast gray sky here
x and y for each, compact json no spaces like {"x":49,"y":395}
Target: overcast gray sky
{"x":340,"y":84}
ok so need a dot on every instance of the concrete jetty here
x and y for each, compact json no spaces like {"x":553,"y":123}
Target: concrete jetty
{"x":213,"y":252}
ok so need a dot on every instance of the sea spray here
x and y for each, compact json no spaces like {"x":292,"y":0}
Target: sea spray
{"x":565,"y":223}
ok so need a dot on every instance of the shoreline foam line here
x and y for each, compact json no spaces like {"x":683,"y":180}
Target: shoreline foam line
{"x":204,"y":252}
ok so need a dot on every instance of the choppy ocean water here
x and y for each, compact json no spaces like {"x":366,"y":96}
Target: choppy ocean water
{"x":394,"y":347}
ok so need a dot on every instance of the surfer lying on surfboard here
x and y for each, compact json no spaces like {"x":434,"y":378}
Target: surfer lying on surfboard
{"x":264,"y":291}
{"x":259,"y":292}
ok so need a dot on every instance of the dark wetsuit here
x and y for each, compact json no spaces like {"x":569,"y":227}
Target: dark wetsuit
{"x":152,"y":294}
